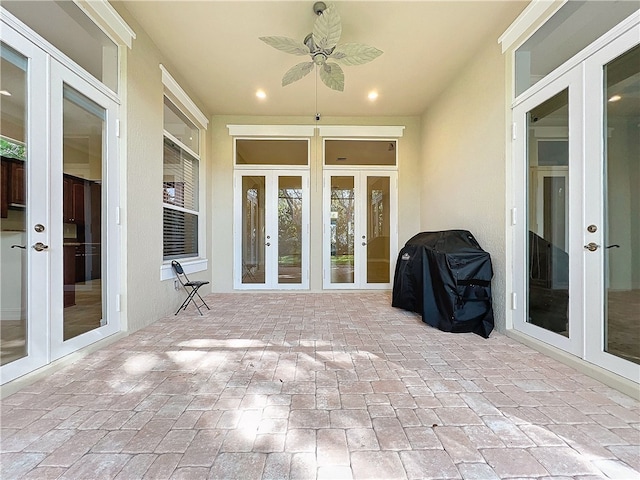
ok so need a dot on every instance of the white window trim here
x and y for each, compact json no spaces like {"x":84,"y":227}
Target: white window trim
{"x":176,"y":95}
{"x":107,"y":18}
{"x":182,"y":100}
{"x":360,"y":131}
{"x":534,"y":15}
{"x":271,"y":131}
{"x":192,"y":265}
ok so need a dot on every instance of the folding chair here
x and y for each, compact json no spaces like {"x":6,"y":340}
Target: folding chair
{"x":190,"y":287}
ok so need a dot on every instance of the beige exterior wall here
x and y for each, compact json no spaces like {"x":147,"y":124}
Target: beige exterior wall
{"x":145,"y":298}
{"x":220,"y":181}
{"x":463,"y":163}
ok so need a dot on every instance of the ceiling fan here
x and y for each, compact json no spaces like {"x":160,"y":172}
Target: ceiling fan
{"x":322,"y":46}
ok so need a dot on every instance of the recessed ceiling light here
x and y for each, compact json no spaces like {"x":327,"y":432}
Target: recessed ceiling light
{"x":261,"y":94}
{"x":372,"y":95}
{"x":615,"y":98}
{"x":6,"y":93}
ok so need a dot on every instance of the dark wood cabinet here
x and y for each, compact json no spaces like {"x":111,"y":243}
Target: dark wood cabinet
{"x":73,"y":198}
{"x":69,"y":275}
{"x":4,"y":189}
{"x":18,"y":195}
{"x":13,"y":193}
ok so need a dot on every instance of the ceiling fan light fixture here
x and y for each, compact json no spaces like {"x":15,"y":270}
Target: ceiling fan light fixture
{"x":322,"y":45}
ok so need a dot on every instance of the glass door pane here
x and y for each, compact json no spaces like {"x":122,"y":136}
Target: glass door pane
{"x":290,"y":234}
{"x":13,"y":218}
{"x":548,"y":171}
{"x":378,"y":229}
{"x":83,"y":130}
{"x":622,"y":207}
{"x":253,"y":232}
{"x":342,"y":240}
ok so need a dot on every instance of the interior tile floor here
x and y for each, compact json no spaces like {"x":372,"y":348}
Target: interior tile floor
{"x":327,"y":386}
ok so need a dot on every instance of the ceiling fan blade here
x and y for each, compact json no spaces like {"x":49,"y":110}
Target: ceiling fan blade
{"x":355,"y":53}
{"x":286,"y":44}
{"x":296,"y":72}
{"x":327,"y":29}
{"x":332,"y":76}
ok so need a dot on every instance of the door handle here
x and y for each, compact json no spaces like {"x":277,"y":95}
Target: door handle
{"x":268,"y":244}
{"x":38,"y":247}
{"x":592,"y":247}
{"x":615,"y":245}
{"x":19,"y":246}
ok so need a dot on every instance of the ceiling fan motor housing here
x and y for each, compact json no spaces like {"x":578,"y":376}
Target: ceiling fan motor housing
{"x":319,"y":7}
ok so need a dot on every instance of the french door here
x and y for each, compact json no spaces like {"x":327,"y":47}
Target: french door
{"x":612,"y":207}
{"x":359,"y":229}
{"x":577,"y":173}
{"x":58,"y":147}
{"x":271,"y":225}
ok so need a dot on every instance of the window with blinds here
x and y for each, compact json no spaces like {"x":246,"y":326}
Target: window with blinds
{"x":179,"y":194}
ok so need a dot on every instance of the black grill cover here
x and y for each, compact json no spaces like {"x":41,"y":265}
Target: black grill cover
{"x":446,"y":277}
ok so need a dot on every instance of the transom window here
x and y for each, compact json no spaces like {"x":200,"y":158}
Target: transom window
{"x":360,"y":152}
{"x":272,"y":151}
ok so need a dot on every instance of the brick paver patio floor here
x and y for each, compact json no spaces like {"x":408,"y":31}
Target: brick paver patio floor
{"x":327,"y":386}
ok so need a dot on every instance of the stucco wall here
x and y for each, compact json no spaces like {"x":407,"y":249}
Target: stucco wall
{"x":463,"y":170}
{"x":220,"y":179}
{"x":147,"y":298}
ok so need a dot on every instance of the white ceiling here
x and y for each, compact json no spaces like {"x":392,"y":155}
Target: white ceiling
{"x":213,"y":48}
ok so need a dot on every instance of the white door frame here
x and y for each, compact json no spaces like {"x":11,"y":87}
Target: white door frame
{"x":360,"y":226}
{"x":271,"y":176}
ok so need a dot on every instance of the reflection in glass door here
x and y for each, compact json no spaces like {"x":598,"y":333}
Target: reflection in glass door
{"x":360,"y":210}
{"x":271,"y":219}
{"x":13,"y":221}
{"x":548,"y":167}
{"x":83,"y":129}
{"x":622,"y":207}
{"x":548,"y":295}
{"x":253,"y":219}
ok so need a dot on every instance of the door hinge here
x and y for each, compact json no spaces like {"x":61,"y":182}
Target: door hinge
{"x":514,"y":301}
{"x":117,"y":215}
{"x":118,"y":127}
{"x":514,"y":216}
{"x":118,"y":297}
{"x":514,"y":130}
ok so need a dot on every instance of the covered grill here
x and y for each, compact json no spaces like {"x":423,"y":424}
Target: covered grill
{"x":446,"y":277}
